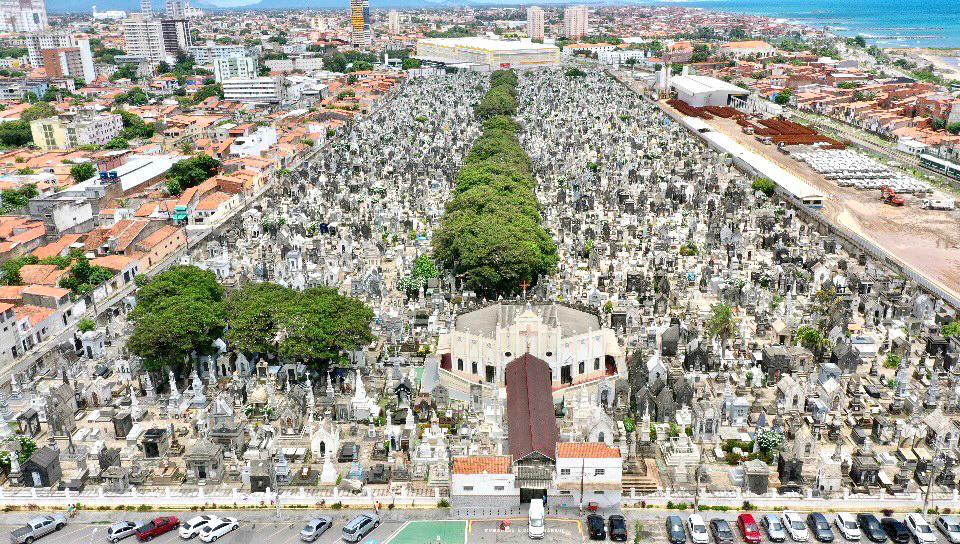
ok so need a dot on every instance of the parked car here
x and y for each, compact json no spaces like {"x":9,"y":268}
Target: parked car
{"x":922,"y":531}
{"x":697,"y":529}
{"x":38,"y":527}
{"x":720,"y":529}
{"x":675,"y":532}
{"x":193,"y":526}
{"x":820,"y":527}
{"x":120,"y":530}
{"x":536,"y":520}
{"x":795,"y":526}
{"x":596,"y":527}
{"x":896,"y":530}
{"x":774,"y":528}
{"x":215,"y":530}
{"x":360,"y":526}
{"x":950,"y":527}
{"x":870,"y":527}
{"x":847,"y":525}
{"x":156,"y":527}
{"x":316,"y":527}
{"x":749,"y":529}
{"x":618,"y":528}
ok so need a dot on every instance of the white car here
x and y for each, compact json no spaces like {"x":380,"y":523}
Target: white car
{"x":795,"y":525}
{"x":698,"y":529}
{"x":921,"y":530}
{"x":950,"y":528}
{"x":847,"y":525}
{"x":193,"y":527}
{"x":213,"y":531}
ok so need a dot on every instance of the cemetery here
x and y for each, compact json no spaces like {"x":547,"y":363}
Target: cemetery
{"x":459,"y":289}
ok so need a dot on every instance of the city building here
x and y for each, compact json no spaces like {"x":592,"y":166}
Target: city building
{"x":535,"y":23}
{"x":495,"y":54}
{"x":111,"y":15}
{"x":234,"y":68}
{"x":751,"y":48}
{"x":73,"y":62}
{"x":36,"y":42}
{"x":175,"y":9}
{"x":482,"y":480}
{"x":360,"y":32}
{"x":575,"y":22}
{"x":587,"y":472}
{"x":209,"y":52}
{"x":176,"y":36}
{"x":393,"y":22}
{"x":23,"y":15}
{"x":256,"y":89}
{"x":144,"y":38}
{"x":700,"y":91}
{"x":573,"y":342}
{"x":146,"y":8}
{"x":70,"y":131}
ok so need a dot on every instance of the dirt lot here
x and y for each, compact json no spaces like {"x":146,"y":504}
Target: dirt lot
{"x":926,"y":240}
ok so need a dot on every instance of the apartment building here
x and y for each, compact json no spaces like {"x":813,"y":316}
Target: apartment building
{"x":535,"y":23}
{"x":36,"y":42}
{"x":234,"y":68}
{"x":257,"y":89}
{"x":72,"y":62}
{"x":23,"y":15}
{"x":144,"y":39}
{"x":70,"y":131}
{"x":575,"y":22}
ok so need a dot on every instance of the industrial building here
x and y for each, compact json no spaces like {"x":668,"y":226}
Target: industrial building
{"x":495,"y":54}
{"x":700,"y":91}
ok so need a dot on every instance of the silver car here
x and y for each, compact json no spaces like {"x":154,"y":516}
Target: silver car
{"x":316,"y":527}
{"x":120,"y":530}
{"x":775,"y":530}
{"x":950,"y":527}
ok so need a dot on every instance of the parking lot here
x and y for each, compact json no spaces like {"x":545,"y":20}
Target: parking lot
{"x":255,"y":527}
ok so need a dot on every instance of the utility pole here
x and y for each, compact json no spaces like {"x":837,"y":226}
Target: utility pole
{"x":935,"y":466}
{"x":696,"y":492}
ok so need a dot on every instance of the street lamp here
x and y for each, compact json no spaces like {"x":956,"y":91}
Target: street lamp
{"x":936,"y":466}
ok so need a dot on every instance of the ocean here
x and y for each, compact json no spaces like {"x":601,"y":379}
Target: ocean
{"x":886,"y":23}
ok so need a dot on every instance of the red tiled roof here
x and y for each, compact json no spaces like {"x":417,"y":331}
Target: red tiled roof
{"x":482,"y":464}
{"x":530,"y":415}
{"x":587,"y":450}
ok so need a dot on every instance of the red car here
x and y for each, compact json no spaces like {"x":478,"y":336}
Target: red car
{"x":749,"y":529}
{"x":157,"y":527}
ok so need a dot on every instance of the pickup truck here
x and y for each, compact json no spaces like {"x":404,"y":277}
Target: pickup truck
{"x":38,"y":527}
{"x":938,"y":204}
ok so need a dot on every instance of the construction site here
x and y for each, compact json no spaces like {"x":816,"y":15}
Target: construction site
{"x":908,"y":220}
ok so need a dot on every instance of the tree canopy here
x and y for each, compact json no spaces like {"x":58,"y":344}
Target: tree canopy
{"x":490,"y":233}
{"x":82,"y":171}
{"x":191,"y":172}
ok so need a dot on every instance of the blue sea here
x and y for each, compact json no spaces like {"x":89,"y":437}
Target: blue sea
{"x":887,"y":23}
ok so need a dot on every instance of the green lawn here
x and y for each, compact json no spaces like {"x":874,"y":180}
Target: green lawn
{"x":426,"y":532}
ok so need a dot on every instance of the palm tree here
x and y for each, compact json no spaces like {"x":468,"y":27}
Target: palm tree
{"x":721,"y":324}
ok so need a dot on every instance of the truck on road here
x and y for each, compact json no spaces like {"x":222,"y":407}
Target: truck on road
{"x":938,"y":204}
{"x":38,"y":527}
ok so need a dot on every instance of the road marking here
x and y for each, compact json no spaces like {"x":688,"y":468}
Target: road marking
{"x":275,"y":533}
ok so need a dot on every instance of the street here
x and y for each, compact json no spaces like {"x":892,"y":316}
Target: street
{"x":400,"y":527}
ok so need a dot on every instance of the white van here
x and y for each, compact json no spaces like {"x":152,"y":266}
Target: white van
{"x":535,"y":524}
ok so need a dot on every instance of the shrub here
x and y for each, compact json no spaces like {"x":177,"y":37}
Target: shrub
{"x":443,"y":503}
{"x":765,"y":186}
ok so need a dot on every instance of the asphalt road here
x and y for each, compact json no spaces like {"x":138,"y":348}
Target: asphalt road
{"x":263,"y":527}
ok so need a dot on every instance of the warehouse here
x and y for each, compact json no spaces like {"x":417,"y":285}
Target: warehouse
{"x":494,"y":54}
{"x":700,"y":91}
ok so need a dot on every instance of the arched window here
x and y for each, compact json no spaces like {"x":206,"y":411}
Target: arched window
{"x":460,"y":365}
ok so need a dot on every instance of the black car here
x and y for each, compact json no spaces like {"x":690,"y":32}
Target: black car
{"x":870,"y":527}
{"x":675,"y":532}
{"x":618,"y":528}
{"x":598,"y":529}
{"x":896,"y":530}
{"x":721,"y":531}
{"x":820,"y":527}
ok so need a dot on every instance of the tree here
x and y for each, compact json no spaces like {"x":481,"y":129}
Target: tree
{"x":191,"y":172}
{"x":86,"y":325}
{"x":769,"y":441}
{"x":410,"y":63}
{"x":423,"y":269}
{"x":765,"y":186}
{"x":783,"y":97}
{"x":893,"y":361}
{"x":82,"y":171}
{"x":41,"y":110}
{"x":135,"y":97}
{"x":179,"y":312}
{"x":207,"y":91}
{"x":722,"y":324}
{"x":83,"y":277}
{"x":951,"y":329}
{"x":117,"y":143}
{"x":15,"y":134}
{"x":255,"y":312}
{"x":813,"y":340}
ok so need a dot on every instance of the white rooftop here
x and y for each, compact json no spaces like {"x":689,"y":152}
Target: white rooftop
{"x":487,"y":44}
{"x":704,"y":84}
